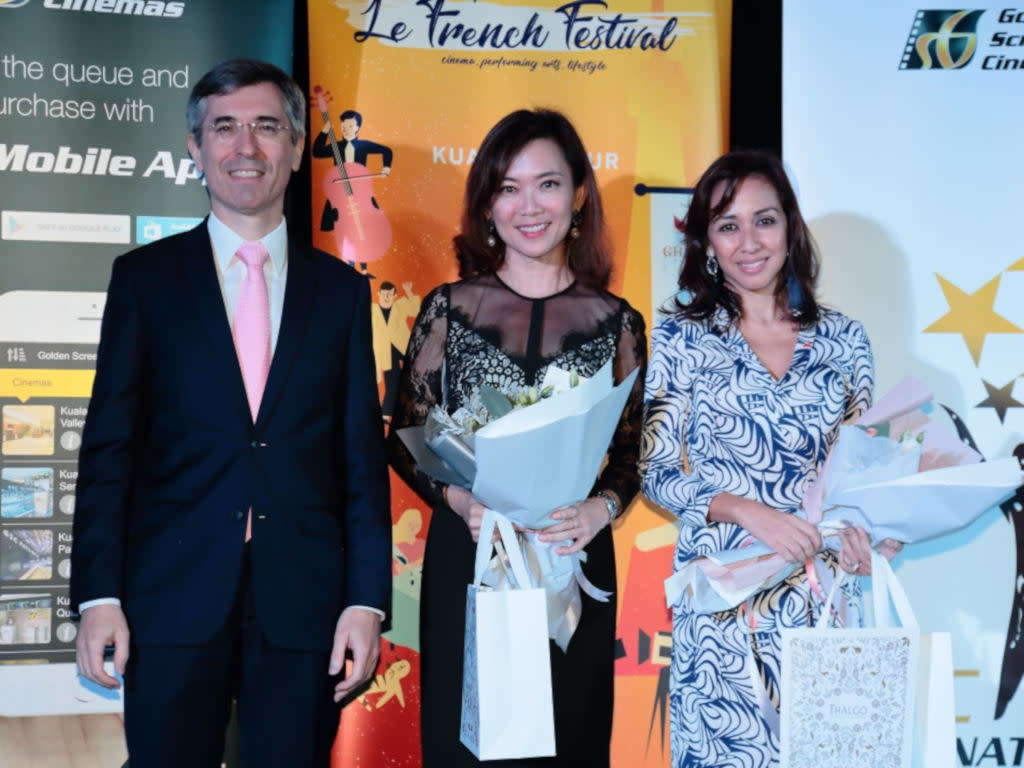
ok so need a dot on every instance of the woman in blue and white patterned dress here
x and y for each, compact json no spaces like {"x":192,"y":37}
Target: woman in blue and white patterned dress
{"x":748,"y":382}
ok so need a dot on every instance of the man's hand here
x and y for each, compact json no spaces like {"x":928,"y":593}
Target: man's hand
{"x":102,"y":625}
{"x":357,"y":634}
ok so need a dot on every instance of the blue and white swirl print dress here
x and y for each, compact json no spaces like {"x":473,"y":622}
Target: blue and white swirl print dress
{"x":710,"y":398}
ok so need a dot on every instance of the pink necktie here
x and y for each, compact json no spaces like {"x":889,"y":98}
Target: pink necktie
{"x":252,"y":324}
{"x":252,"y":332}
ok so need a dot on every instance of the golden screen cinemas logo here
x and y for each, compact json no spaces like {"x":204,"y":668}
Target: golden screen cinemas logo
{"x":950,"y":39}
{"x":122,"y":7}
{"x":941,"y":40}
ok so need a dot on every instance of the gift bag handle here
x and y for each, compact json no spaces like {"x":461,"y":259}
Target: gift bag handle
{"x":826,"y":609}
{"x":485,"y":546}
{"x":884,"y":587}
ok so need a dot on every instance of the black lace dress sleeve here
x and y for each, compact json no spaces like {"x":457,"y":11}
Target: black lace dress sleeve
{"x":620,"y":473}
{"x":421,"y":389}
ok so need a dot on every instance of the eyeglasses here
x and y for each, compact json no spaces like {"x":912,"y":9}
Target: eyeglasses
{"x":228,"y":130}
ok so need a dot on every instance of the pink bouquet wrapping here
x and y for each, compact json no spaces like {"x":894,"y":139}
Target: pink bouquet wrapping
{"x":895,"y":472}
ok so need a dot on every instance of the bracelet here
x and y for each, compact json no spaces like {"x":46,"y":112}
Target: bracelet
{"x":610,"y":503}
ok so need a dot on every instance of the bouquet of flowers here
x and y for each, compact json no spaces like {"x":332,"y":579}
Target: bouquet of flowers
{"x":525,"y":454}
{"x":451,"y":437}
{"x":895,"y":472}
{"x":540,"y":451}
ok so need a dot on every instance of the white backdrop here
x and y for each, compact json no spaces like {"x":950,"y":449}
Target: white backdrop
{"x":913,"y":182}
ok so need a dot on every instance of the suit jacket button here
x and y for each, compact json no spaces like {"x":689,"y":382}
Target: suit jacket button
{"x":239,"y":514}
{"x":254,"y":444}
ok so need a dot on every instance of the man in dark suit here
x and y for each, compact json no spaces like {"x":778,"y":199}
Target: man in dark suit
{"x":232,"y":525}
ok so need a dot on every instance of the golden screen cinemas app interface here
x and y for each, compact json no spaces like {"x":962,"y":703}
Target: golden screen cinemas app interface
{"x":44,"y":392}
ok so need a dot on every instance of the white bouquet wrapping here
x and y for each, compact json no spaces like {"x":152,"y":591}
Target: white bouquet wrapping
{"x":544,"y":453}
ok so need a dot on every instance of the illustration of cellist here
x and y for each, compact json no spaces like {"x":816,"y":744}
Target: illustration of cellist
{"x":361,"y":230}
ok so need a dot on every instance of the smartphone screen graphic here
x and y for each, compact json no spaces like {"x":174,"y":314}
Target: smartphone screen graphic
{"x":48,"y":344}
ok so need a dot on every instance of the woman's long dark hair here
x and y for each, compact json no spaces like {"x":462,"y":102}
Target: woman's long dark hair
{"x":587,"y":255}
{"x":796,"y":283}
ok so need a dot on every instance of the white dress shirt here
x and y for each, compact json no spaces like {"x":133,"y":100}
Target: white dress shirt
{"x":231,"y":270}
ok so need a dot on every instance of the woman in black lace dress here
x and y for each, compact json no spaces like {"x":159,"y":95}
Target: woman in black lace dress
{"x":534,"y":265}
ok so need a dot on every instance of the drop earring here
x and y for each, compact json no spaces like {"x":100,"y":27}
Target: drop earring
{"x":574,"y":227}
{"x":794,"y":292}
{"x":712,"y":264}
{"x":492,"y":233}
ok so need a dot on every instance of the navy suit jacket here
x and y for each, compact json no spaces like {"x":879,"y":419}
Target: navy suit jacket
{"x":171,"y":461}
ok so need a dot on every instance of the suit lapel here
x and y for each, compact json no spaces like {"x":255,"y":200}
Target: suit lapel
{"x":201,"y":278}
{"x":298,"y":298}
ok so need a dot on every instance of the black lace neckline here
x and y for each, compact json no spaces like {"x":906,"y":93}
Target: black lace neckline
{"x":514,"y":292}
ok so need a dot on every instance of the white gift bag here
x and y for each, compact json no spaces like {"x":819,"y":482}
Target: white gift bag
{"x":861,"y":698}
{"x":934,"y":740}
{"x":935,"y":737}
{"x":507,"y":706}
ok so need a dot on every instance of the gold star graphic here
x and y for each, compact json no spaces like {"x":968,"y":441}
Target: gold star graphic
{"x":971,"y":315}
{"x":1017,"y":267}
{"x":1000,"y":399}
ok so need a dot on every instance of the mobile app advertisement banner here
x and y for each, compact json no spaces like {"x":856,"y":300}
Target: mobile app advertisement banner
{"x":902,"y":129}
{"x":414,"y":87}
{"x":93,"y":162}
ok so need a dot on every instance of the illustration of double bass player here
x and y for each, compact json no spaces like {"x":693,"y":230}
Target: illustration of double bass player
{"x":361,"y":230}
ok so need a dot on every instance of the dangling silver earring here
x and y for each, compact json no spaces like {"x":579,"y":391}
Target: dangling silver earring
{"x":492,"y":233}
{"x":712,"y":264}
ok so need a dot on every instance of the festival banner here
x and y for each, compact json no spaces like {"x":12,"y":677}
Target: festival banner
{"x":902,"y":130}
{"x":93,"y":162}
{"x":415,"y":87}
